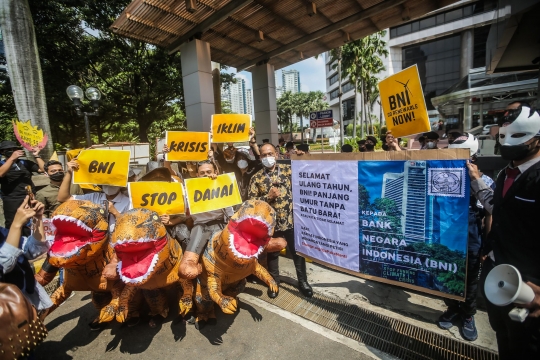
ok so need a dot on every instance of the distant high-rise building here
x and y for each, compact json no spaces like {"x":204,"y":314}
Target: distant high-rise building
{"x":249,"y":103}
{"x":235,"y":95}
{"x":291,"y":80}
{"x":279,"y":92}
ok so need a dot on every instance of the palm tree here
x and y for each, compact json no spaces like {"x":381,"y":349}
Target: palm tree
{"x":285,"y":111}
{"x":24,"y":66}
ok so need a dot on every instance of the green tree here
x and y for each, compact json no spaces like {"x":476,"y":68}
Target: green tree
{"x":285,"y":111}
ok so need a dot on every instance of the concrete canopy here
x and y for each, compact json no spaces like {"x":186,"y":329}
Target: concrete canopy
{"x":244,"y":33}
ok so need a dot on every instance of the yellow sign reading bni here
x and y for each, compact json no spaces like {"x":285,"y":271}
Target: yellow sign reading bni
{"x":205,"y":194}
{"x":230,"y":127}
{"x":187,"y":145}
{"x":102,"y":167}
{"x":403,"y":103}
{"x":165,"y":198}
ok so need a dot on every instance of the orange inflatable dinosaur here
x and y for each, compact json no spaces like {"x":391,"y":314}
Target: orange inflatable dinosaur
{"x":148,"y":260}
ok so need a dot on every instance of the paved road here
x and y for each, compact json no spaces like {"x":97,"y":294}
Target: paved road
{"x":252,"y":333}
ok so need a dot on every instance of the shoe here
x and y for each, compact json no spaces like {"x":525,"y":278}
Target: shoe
{"x":271,"y":294}
{"x":252,"y":279}
{"x":95,"y":325}
{"x":468,"y":330}
{"x":445,"y":320}
{"x":305,"y":288}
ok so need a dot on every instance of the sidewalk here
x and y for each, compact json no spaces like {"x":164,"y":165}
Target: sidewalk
{"x":412,"y":307}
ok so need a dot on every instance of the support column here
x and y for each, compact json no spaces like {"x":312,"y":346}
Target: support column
{"x":198,"y":89}
{"x":467,"y":115}
{"x":264,"y":103}
{"x":467,"y":52}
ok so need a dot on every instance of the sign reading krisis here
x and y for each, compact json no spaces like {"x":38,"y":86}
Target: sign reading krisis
{"x":403,"y":103}
{"x":401,"y":222}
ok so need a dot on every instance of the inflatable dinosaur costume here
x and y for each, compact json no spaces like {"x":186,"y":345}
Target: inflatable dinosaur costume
{"x":81,"y":247}
{"x":148,"y":260}
{"x":231,"y":255}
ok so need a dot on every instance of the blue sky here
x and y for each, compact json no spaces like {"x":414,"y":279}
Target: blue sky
{"x":312,"y":74}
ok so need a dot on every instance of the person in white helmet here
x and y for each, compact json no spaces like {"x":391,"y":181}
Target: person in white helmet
{"x":514,"y":235}
{"x":463,"y":312}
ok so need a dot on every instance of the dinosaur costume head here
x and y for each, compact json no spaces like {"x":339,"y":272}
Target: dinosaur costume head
{"x":81,"y":233}
{"x":140,"y":242}
{"x":249,"y":230}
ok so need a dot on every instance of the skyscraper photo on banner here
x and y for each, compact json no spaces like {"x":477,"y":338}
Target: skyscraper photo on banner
{"x":413,"y":222}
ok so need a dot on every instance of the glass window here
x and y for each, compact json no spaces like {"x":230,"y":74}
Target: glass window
{"x":348,"y":109}
{"x":393,"y":33}
{"x":404,"y":30}
{"x":480,"y":39}
{"x":334,"y":94}
{"x":348,"y":86}
{"x":440,"y":19}
{"x":467,"y":10}
{"x":438,"y":64}
{"x":333,"y":79}
{"x":427,"y":23}
{"x":453,"y":15}
{"x":415,"y":26}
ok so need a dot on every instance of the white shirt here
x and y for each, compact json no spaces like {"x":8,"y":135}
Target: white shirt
{"x":121,"y":203}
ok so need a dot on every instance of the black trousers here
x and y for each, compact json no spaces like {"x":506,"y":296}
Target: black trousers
{"x":515,"y":340}
{"x":273,"y":257}
{"x":468,"y":307}
{"x":10,"y":205}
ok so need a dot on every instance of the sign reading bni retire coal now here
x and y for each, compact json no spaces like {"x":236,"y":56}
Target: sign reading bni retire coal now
{"x":187,"y":145}
{"x":401,"y":222}
{"x":205,"y":194}
{"x":403,"y":103}
{"x":230,"y":127}
{"x":102,"y":167}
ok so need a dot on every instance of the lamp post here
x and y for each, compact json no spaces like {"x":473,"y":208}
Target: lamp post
{"x":76,"y":94}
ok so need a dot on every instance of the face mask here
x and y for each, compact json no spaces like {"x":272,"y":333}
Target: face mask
{"x":110,"y":190}
{"x":242,"y":164}
{"x":370,"y":146}
{"x":518,"y":152}
{"x":431,"y":145}
{"x":269,"y":161}
{"x":59,"y":176}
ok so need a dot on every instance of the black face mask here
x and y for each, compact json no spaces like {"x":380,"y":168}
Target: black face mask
{"x":59,"y":176}
{"x":370,"y":146}
{"x":519,"y":152}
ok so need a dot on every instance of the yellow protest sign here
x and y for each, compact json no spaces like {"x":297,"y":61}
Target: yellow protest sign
{"x":165,"y":198}
{"x":205,"y":194}
{"x":102,"y":167}
{"x":28,"y":135}
{"x":187,"y":145}
{"x":403,"y":103}
{"x":230,"y":127}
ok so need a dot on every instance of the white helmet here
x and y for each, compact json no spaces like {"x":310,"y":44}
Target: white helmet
{"x":466,"y":141}
{"x":521,"y":130}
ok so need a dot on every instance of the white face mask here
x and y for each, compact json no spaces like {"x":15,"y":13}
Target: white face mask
{"x":242,"y":164}
{"x":431,"y":145}
{"x":269,"y":161}
{"x":110,"y":190}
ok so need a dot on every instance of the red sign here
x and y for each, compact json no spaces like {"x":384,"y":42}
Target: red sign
{"x":314,"y":124}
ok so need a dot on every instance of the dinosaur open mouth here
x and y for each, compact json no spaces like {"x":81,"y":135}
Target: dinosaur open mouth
{"x":138,"y":258}
{"x":71,"y":235}
{"x":249,"y":236}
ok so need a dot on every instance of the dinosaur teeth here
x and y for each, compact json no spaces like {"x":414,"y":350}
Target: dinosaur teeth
{"x":141,"y":278}
{"x":141,"y":240}
{"x":238,"y":254}
{"x":258,"y":218}
{"x":66,"y":254}
{"x":79,"y":223}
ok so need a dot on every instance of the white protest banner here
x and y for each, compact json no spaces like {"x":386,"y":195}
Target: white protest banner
{"x":325,"y":197}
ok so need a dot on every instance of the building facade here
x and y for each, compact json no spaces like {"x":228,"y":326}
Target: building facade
{"x":448,"y":46}
{"x":290,"y":80}
{"x":235,"y":95}
{"x":249,"y":103}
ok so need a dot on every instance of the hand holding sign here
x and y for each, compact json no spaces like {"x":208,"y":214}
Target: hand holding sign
{"x":165,"y":198}
{"x":102,"y":167}
{"x":28,"y":135}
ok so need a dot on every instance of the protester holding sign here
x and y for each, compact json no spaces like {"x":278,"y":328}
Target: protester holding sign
{"x":15,"y":176}
{"x":273,"y":185}
{"x":204,"y":226}
{"x":112,"y":195}
{"x":432,"y":138}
